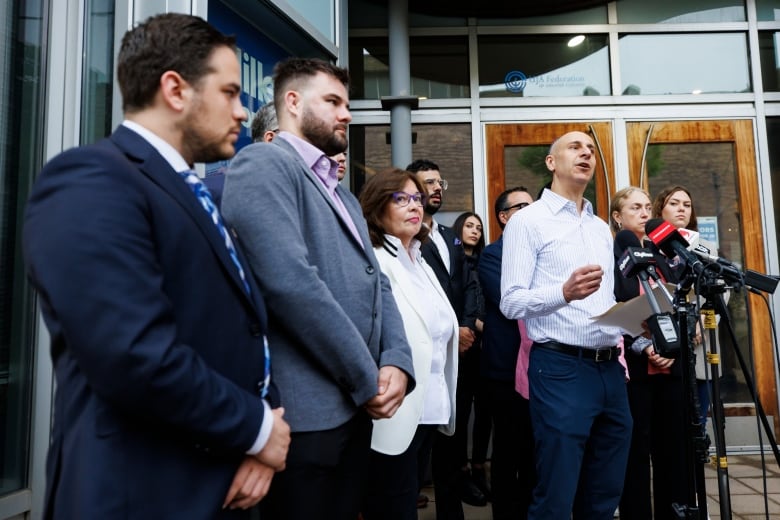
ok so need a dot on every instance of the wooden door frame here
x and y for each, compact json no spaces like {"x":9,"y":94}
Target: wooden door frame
{"x":740,"y":133}
{"x":500,"y":135}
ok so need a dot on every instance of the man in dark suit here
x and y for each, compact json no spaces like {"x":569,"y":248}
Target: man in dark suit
{"x":340,"y":350}
{"x":444,"y":253}
{"x":512,"y":467}
{"x":163,"y":402}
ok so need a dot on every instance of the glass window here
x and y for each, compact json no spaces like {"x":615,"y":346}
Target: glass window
{"x":544,"y":66}
{"x":439,"y":67}
{"x":773,"y":138}
{"x":768,"y":44}
{"x":525,"y":166}
{"x":767,"y":10}
{"x":674,"y":11}
{"x":21,"y":130}
{"x":709,"y":173}
{"x":447,"y":145}
{"x":96,"y":94}
{"x":319,"y":13}
{"x":684,"y":63}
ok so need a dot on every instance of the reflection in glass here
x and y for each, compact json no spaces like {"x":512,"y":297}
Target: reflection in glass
{"x":439,"y":67}
{"x":684,"y":63}
{"x":768,"y":44}
{"x":319,"y":13}
{"x":447,"y":145}
{"x":773,"y":147}
{"x":525,"y":166}
{"x":372,"y":14}
{"x":674,"y":11}
{"x":767,"y":10}
{"x":591,"y":15}
{"x":708,"y":170}
{"x":543,"y":66}
{"x":21,"y":145}
{"x":96,"y":93}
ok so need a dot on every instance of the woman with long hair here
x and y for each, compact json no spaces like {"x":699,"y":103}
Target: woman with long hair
{"x":471,"y":387}
{"x":654,"y":386}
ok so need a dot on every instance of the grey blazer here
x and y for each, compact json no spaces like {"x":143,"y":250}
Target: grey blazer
{"x":332,"y":316}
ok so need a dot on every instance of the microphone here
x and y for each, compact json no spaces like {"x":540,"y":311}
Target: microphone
{"x":666,"y":237}
{"x":705,"y":253}
{"x":690,"y":236}
{"x":635,"y":259}
{"x":639,"y":261}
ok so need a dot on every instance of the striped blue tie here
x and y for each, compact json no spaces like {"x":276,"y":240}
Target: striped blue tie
{"x":204,"y":197}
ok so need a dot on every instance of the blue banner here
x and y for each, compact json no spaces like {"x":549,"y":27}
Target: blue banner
{"x":257,"y":56}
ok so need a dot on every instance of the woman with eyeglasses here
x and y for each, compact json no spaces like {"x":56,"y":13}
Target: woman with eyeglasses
{"x":392,"y":202}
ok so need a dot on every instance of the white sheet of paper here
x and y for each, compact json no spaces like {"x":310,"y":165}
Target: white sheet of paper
{"x":630,"y":315}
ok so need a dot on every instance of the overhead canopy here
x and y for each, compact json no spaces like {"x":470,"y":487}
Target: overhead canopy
{"x":495,"y":8}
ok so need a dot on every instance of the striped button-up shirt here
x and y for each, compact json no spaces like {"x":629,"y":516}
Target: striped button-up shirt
{"x":543,"y":244}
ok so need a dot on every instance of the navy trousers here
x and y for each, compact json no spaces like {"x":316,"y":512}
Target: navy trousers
{"x":582,"y":432}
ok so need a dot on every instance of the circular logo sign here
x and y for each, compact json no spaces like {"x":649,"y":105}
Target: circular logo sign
{"x":515,"y":81}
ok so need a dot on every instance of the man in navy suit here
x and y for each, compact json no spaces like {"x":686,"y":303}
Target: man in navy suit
{"x":512,"y":466}
{"x":164,"y":404}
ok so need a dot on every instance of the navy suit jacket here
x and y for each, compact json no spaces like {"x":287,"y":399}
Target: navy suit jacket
{"x":458,"y":281}
{"x":500,"y":335}
{"x":157,"y":348}
{"x":216,"y":184}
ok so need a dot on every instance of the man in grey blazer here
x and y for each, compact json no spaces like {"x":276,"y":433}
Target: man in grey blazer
{"x":341,"y":355}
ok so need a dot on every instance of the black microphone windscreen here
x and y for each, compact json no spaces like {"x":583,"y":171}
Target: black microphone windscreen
{"x":652,"y":225}
{"x":625,"y":239}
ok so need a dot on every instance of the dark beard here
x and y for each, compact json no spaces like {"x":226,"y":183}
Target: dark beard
{"x":430,"y":210}
{"x":321,"y":135}
{"x":196,"y":145}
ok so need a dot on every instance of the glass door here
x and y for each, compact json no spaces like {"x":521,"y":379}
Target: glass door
{"x":716,"y":161}
{"x":515,"y":157}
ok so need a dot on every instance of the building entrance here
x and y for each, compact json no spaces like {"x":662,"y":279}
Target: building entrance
{"x":716,"y":161}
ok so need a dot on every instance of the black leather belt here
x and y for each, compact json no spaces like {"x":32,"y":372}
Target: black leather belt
{"x":599,"y":354}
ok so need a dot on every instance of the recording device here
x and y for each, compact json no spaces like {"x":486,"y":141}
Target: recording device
{"x":669,"y":240}
{"x":690,"y":236}
{"x":639,"y":261}
{"x":666,"y":237}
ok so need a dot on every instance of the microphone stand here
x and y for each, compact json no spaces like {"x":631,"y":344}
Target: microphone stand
{"x":720,"y":308}
{"x":713,"y":289}
{"x":713,"y":294}
{"x":696,"y":441}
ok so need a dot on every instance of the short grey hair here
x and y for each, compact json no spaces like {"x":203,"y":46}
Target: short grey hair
{"x":264,"y":121}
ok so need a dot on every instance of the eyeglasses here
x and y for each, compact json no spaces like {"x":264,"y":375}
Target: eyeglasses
{"x":519,"y":205}
{"x":403,"y":199}
{"x":441,"y":182}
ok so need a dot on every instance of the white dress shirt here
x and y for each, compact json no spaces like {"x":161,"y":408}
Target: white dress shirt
{"x":441,"y":244}
{"x":543,"y":244}
{"x":436,"y":403}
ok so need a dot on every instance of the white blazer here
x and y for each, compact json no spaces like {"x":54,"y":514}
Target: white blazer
{"x":393,"y":436}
